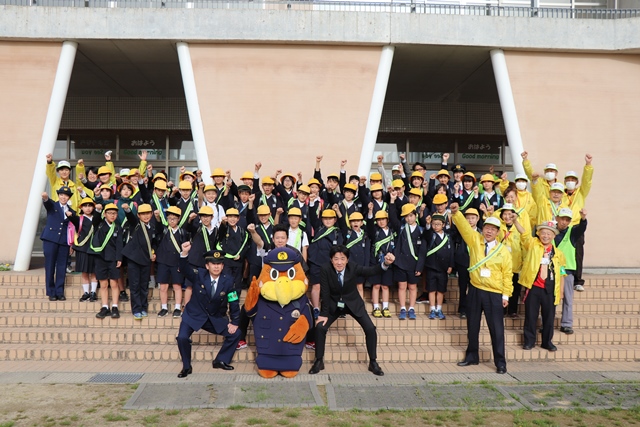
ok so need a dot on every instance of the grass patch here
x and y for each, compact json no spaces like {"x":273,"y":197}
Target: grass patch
{"x":115,"y":417}
{"x":256,"y":421}
{"x":237,"y":407}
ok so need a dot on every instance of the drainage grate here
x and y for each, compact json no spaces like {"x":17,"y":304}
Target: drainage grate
{"x":115,"y":378}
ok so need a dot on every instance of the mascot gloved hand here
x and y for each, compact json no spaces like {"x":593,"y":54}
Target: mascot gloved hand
{"x":281,"y":313}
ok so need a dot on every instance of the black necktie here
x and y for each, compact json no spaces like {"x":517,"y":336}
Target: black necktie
{"x":340,"y":279}
{"x":486,"y":249}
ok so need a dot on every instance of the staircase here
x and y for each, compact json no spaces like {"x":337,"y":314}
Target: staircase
{"x":607,"y":328}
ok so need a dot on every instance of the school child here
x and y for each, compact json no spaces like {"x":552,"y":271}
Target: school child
{"x":442,"y":177}
{"x":567,"y":241}
{"x":461,"y":258}
{"x":171,"y":237}
{"x":285,"y":188}
{"x":210,"y":193}
{"x":401,"y":197}
{"x":264,"y":230}
{"x":542,"y":271}
{"x":233,"y":240}
{"x":59,"y":176}
{"x":106,"y":244}
{"x":440,"y":202}
{"x":86,"y":225}
{"x":189,"y":177}
{"x":410,"y":257}
{"x":104,"y":196}
{"x":377,"y":198}
{"x":159,"y":202}
{"x":140,"y":253}
{"x":244,"y":206}
{"x":467,"y":197}
{"x":355,"y":239}
{"x":347,"y":205}
{"x":490,"y":198}
{"x":204,"y":235}
{"x":297,"y":237}
{"x":383,"y":241}
{"x":326,"y":235}
{"x":188,"y":206}
{"x":218,"y":176}
{"x":54,"y":241}
{"x":268,"y":197}
{"x":439,"y":263}
{"x":301,"y":203}
{"x":126,"y":197}
{"x":510,"y":237}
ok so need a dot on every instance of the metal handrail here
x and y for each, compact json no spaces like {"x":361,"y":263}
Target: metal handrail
{"x":505,"y":8}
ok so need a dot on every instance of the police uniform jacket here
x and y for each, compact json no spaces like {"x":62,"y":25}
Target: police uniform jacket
{"x":137,"y":249}
{"x":88,"y":226}
{"x":203,"y":306}
{"x":443,"y":258}
{"x":113,"y":250}
{"x":55,"y":229}
{"x":331,"y":291}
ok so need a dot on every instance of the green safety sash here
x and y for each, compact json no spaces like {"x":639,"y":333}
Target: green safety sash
{"x":355,"y":242}
{"x":383,"y":242}
{"x":325,"y":234}
{"x":163,"y":218}
{"x":232,"y":256}
{"x":346,"y":212}
{"x":86,"y":239}
{"x":298,"y":241}
{"x":186,"y":214}
{"x":173,"y":240}
{"x":266,"y":235}
{"x":469,"y":199}
{"x":408,"y":231}
{"x":289,"y":203}
{"x":205,"y":235}
{"x":106,"y":240}
{"x":485,"y":259}
{"x":221,"y":193}
{"x":437,"y":248}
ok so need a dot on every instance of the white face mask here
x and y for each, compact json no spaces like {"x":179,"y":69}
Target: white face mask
{"x":549,"y":176}
{"x":571,"y":185}
{"x":521,"y":185}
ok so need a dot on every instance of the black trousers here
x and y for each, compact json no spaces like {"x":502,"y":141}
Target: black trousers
{"x":491,"y":303}
{"x":243,"y":325}
{"x":578,"y":280}
{"x":139,"y":276}
{"x":538,"y":300}
{"x":513,"y":301}
{"x":236,"y":273}
{"x":363,"y":320}
{"x":463,"y":285}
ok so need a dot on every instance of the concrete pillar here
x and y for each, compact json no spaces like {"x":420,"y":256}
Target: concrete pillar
{"x":508,"y":106}
{"x":47,"y":144}
{"x":375,"y":111}
{"x":193,"y":107}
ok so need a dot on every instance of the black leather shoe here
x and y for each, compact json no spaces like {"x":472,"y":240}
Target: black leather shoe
{"x":62,"y":298}
{"x":568,"y":330}
{"x":467,"y":363}
{"x":551,"y":348}
{"x":185,"y":372}
{"x":527,"y":347}
{"x":375,"y":368}
{"x":221,"y":365}
{"x":318,"y":366}
{"x":502,"y":370}
{"x":54,"y":298}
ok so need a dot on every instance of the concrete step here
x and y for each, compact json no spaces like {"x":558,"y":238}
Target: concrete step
{"x":88,"y":320}
{"x":349,"y":353}
{"x":339,"y":337}
{"x":30,"y":305}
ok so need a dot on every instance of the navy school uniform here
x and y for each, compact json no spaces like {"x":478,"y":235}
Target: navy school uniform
{"x":495,"y":200}
{"x":168,"y":254}
{"x":209,"y":312}
{"x":320,"y":246}
{"x":255,"y":260}
{"x":106,"y":244}
{"x":187,"y":207}
{"x":55,"y":247}
{"x":461,"y":263}
{"x":359,"y":246}
{"x":467,"y":200}
{"x":380,"y":206}
{"x":382,"y":243}
{"x":246,"y":215}
{"x":440,"y":257}
{"x":304,"y":221}
{"x":85,"y":227}
{"x":234,"y":243}
{"x":138,"y":251}
{"x":160,"y":204}
{"x":410,"y":254}
{"x":272,"y":201}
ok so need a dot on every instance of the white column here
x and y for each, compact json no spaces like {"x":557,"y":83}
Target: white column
{"x":508,"y":106}
{"x":47,"y":144}
{"x":193,"y":107}
{"x":375,"y":111}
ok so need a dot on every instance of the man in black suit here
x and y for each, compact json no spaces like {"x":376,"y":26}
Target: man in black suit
{"x":339,"y":295}
{"x":212,"y":294}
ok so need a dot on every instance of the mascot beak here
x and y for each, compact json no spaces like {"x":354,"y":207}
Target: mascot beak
{"x":284,"y":290}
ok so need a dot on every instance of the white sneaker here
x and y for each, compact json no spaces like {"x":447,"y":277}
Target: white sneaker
{"x":579,"y":288}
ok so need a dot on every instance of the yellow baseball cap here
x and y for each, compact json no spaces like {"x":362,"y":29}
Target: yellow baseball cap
{"x":350,"y":187}
{"x":264,"y":210}
{"x":206,"y":210}
{"x":356,"y":216}
{"x":185,"y":185}
{"x":407,"y":208}
{"x":111,"y":207}
{"x":295,"y":212}
{"x":381,"y":215}
{"x":328,"y":213}
{"x":247,"y":175}
{"x":232,"y":211}
{"x":439,"y":199}
{"x":376,"y":187}
{"x":376,"y":176}
{"x":144,"y":208}
{"x":415,"y":192}
{"x":160,"y":185}
{"x":217,"y":172}
{"x":174,"y":210}
{"x":397,"y":183}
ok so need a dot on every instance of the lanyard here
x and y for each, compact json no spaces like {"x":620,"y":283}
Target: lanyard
{"x":106,"y":240}
{"x":205,"y":235}
{"x":485,"y":259}
{"x":411,"y":249}
{"x":266,"y":234}
{"x":163,"y":218}
{"x":86,"y":239}
{"x":185,"y":214}
{"x":383,"y":242}
{"x":437,"y":248}
{"x":356,"y":241}
{"x":325,"y":234}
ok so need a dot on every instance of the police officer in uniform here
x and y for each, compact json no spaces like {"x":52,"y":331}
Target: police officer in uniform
{"x":212,"y":296}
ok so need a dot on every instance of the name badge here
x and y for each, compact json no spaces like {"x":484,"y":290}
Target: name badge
{"x":544,"y":261}
{"x":419,"y":242}
{"x":340,"y":304}
{"x":509,"y":248}
{"x":335,"y":242}
{"x":485,"y":272}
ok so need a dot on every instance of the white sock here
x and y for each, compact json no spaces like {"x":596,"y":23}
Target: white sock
{"x":385,"y":305}
{"x":177,"y":306}
{"x":105,"y":306}
{"x":439,"y":308}
{"x":164,"y":306}
{"x":432,"y":308}
{"x":403,"y":308}
{"x":376,"y":306}
{"x":94,"y":286}
{"x":114,"y":305}
{"x":85,"y":288}
{"x":411,"y":308}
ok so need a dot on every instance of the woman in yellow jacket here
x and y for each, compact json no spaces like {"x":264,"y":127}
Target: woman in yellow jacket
{"x":491,"y":286}
{"x":510,"y":236}
{"x":542,"y":270}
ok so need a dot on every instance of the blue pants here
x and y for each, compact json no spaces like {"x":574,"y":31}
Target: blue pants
{"x":55,"y":267}
{"x":226,"y":351}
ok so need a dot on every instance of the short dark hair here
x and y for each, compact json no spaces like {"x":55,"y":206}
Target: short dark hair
{"x":339,"y":249}
{"x":280,"y":227}
{"x":416,"y":164}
